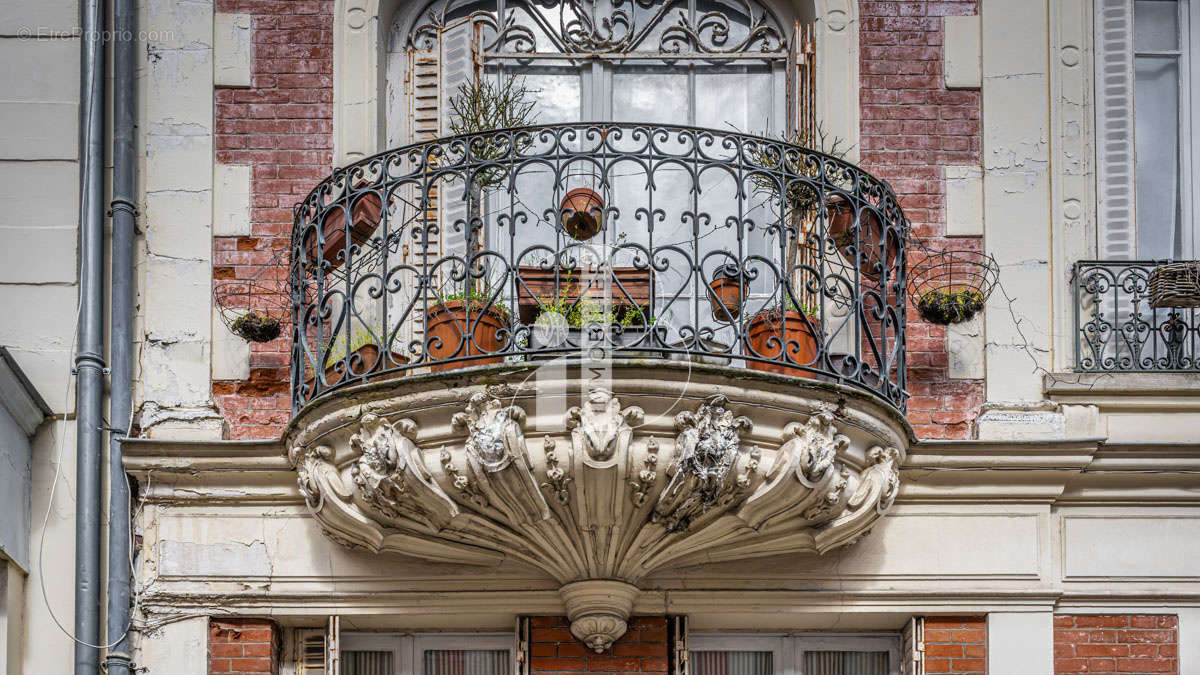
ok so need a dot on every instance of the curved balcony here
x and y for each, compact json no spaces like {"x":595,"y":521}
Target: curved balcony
{"x":623,"y":241}
{"x":475,"y":286}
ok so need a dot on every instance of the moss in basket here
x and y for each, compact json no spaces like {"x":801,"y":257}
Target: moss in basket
{"x":947,"y":306}
{"x":256,"y":327}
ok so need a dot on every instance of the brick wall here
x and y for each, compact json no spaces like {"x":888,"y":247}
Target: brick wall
{"x":1110,"y":644}
{"x":243,"y":647}
{"x":282,"y":127}
{"x":956,"y":644}
{"x":912,"y":127}
{"x":643,"y":648}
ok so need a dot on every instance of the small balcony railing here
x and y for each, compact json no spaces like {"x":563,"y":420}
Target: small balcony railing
{"x":624,"y":241}
{"x":1117,"y":330}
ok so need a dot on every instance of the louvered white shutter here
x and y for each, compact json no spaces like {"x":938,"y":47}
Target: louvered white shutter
{"x":458,"y":66}
{"x":913,"y":648}
{"x":318,"y":652}
{"x":1114,"y":129}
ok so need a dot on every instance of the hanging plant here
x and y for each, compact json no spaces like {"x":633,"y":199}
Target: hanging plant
{"x":952,"y":286}
{"x":254,"y":308}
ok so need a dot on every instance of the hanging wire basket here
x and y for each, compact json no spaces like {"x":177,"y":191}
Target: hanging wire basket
{"x":255,"y":308}
{"x":1175,"y":285}
{"x":951,"y":286}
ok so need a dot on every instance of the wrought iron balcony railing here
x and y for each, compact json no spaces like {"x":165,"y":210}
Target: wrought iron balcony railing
{"x":1117,"y":330}
{"x":614,"y":240}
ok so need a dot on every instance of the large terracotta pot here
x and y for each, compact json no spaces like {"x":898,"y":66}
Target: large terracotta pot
{"x":841,"y":229}
{"x":582,"y":213}
{"x":364,"y":221}
{"x":786,"y":328}
{"x":463,"y":329}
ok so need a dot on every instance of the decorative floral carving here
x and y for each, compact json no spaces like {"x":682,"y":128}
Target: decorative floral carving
{"x":460,"y":482}
{"x":706,"y":449}
{"x":557,"y":479}
{"x":308,"y":462}
{"x":644,"y":481}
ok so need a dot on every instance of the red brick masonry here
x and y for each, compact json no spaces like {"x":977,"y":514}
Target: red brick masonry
{"x":643,"y":649}
{"x":243,"y":647}
{"x":1128,"y":644}
{"x":956,"y":644}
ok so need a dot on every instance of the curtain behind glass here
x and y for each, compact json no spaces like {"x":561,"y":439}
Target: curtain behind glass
{"x":465,"y":662}
{"x":356,"y":662}
{"x":845,"y":663}
{"x":731,"y":663}
{"x":1156,"y":127}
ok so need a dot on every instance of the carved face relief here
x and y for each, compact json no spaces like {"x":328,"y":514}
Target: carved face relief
{"x":494,"y":429}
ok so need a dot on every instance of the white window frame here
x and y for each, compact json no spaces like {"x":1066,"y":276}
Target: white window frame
{"x":788,"y":650}
{"x":406,"y":648}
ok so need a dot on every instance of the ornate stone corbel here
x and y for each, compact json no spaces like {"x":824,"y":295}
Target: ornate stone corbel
{"x":878,"y":485}
{"x":497,"y":456}
{"x":392,"y":477}
{"x":808,"y":458}
{"x":706,"y":448}
{"x":600,"y":436}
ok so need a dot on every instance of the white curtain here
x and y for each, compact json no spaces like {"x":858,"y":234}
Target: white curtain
{"x":845,"y":663}
{"x":366,"y":663}
{"x":731,"y":663}
{"x":465,"y":662}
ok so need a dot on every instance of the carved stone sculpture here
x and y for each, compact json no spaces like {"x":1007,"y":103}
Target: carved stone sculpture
{"x":591,"y":504}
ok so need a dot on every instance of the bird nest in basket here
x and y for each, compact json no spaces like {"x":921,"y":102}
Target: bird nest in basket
{"x":255,"y":308}
{"x":952,"y":286}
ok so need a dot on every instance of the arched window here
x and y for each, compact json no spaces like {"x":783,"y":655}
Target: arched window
{"x":708,"y":63}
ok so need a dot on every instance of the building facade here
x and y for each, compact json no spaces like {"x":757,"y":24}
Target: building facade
{"x":523,"y":336}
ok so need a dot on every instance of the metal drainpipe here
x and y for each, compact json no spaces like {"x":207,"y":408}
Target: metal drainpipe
{"x":120,"y":397}
{"x":89,"y":360}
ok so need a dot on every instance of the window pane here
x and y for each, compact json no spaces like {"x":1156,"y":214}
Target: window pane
{"x":646,"y":93}
{"x":1156,"y":135}
{"x":731,"y":663}
{"x":1155,"y":25}
{"x":735,"y":97}
{"x":465,"y":662}
{"x":366,"y":663}
{"x":845,"y":663}
{"x":555,"y":87}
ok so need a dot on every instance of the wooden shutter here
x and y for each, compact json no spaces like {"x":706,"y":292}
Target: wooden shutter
{"x":801,"y":79}
{"x":318,"y":651}
{"x":459,"y":65}
{"x":912,"y":649}
{"x":677,"y":634}
{"x":1114,"y":130}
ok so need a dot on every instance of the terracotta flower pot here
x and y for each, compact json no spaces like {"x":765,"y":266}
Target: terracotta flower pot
{"x":582,"y":213}
{"x":457,"y":328}
{"x":770,"y":331}
{"x":726,"y":295}
{"x":371,"y":358}
{"x":870,"y":232}
{"x":364,"y":221}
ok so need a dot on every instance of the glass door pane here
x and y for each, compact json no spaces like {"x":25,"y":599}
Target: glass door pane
{"x":465,"y":662}
{"x":732,"y":663}
{"x":845,"y":663}
{"x":367,"y":663}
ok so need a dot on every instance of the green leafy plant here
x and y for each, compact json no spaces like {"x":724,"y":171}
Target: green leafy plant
{"x":585,"y":311}
{"x":946,"y":306}
{"x":487,"y":105}
{"x":477,"y":299}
